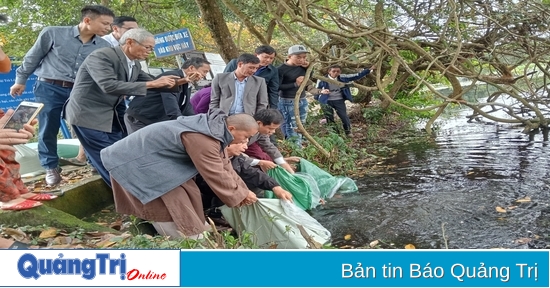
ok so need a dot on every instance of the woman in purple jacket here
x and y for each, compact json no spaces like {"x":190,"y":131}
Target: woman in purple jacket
{"x":201,"y":100}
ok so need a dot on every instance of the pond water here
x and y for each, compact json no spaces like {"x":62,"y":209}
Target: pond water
{"x":460,"y":180}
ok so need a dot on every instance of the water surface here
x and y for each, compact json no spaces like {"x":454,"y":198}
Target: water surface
{"x":471,"y":169}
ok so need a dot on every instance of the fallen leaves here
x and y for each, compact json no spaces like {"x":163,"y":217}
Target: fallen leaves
{"x":49,"y":233}
{"x":53,"y":238}
{"x":347,"y":237}
{"x":117,"y":225}
{"x":500,"y":209}
{"x":374,"y":243}
{"x":522,"y":240}
{"x":524,"y":200}
{"x":71,"y":176}
{"x":64,"y":240}
{"x":105,"y":243}
{"x":15,"y":234}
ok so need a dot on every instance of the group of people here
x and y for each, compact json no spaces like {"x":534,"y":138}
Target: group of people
{"x":167,"y":155}
{"x":282,"y":84}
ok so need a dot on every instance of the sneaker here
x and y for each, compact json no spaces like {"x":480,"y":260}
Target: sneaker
{"x":214,"y":212}
{"x":52,"y":176}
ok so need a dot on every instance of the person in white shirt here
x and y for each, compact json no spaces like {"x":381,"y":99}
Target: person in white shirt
{"x":120,"y":25}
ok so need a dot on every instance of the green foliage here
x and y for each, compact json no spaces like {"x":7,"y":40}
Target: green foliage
{"x":26,"y":20}
{"x":342,"y":156}
{"x":230,"y":241}
{"x":373,"y":114}
{"x":414,"y":97}
{"x":408,"y":55}
{"x":78,"y":233}
{"x":416,"y":100}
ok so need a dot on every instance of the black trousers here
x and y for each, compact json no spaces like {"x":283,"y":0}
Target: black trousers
{"x":340,"y":107}
{"x":209,"y":198}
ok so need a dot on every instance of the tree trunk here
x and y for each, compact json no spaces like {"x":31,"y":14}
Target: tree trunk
{"x":213,"y":18}
{"x":105,"y":3}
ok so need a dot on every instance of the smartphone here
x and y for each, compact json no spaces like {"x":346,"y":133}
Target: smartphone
{"x":23,"y":114}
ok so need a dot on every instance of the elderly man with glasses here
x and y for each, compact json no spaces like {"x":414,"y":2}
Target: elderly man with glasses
{"x":120,"y":25}
{"x":105,"y":77}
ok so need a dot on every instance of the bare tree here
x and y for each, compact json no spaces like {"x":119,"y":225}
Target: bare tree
{"x":214,"y":19}
{"x":469,"y":45}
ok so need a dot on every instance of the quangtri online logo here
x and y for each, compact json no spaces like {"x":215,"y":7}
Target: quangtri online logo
{"x":29,"y":266}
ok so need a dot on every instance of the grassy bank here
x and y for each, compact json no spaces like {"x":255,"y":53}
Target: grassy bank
{"x":376,"y":135}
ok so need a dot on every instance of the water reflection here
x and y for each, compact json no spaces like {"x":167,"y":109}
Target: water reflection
{"x":473,"y":168}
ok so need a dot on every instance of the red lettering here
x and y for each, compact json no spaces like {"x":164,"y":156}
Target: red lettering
{"x":132,"y":274}
{"x":135,"y":274}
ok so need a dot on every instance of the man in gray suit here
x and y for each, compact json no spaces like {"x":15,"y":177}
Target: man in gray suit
{"x":105,"y":77}
{"x":240,"y":91}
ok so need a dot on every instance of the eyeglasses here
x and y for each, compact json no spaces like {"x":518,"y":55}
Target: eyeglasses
{"x":149,"y":48}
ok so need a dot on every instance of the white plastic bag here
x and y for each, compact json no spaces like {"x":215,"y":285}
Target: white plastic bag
{"x":274,"y":222}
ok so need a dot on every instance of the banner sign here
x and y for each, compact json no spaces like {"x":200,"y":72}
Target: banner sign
{"x":6,"y":81}
{"x":366,"y":268}
{"x":275,"y":268}
{"x":173,"y":43}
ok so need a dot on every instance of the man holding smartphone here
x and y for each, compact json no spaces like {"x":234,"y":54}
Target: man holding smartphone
{"x":55,"y":58}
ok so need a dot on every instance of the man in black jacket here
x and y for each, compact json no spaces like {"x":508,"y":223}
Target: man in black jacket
{"x":254,"y":178}
{"x":161,"y":106}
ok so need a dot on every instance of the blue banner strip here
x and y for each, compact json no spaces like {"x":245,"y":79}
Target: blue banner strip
{"x":6,"y":81}
{"x":364,"y":268}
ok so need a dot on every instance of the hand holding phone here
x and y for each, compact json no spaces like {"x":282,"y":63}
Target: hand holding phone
{"x":11,"y":137}
{"x":25,"y":113}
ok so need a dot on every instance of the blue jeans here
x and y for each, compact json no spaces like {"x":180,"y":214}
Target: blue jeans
{"x":289,"y":126}
{"x":49,"y":120}
{"x":93,"y":141}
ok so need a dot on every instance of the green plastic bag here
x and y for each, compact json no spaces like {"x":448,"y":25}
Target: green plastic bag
{"x":304,"y":195}
{"x":328,"y":184}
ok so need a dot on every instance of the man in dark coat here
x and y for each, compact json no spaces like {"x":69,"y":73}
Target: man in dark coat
{"x":254,"y":178}
{"x":168,"y":105}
